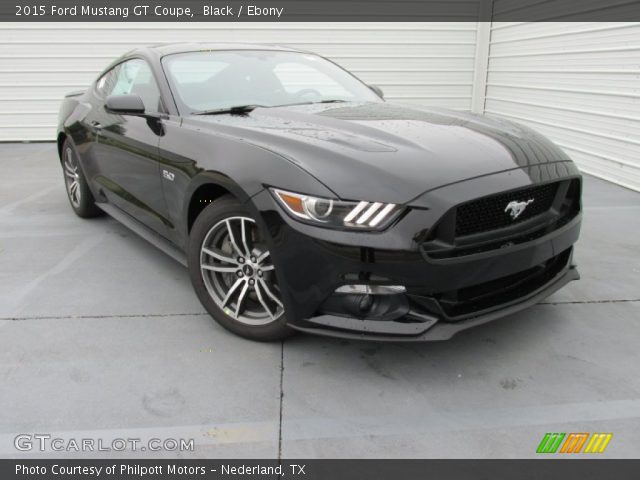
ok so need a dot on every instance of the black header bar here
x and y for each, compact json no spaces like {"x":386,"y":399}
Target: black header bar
{"x":319,"y":10}
{"x":320,"y":469}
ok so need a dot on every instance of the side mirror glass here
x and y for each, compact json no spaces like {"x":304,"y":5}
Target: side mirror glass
{"x":130,"y":104}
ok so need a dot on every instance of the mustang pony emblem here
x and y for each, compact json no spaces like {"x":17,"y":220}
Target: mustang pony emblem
{"x":515,"y":208}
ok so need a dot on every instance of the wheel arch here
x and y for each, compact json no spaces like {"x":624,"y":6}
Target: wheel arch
{"x":60,"y":142}
{"x":205,"y":189}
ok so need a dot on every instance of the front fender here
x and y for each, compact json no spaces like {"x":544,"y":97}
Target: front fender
{"x":193,"y":158}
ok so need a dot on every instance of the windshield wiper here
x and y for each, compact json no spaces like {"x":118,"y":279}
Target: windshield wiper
{"x":239,"y":109}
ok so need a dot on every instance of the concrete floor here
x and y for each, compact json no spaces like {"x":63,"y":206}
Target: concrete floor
{"x":101,"y":336}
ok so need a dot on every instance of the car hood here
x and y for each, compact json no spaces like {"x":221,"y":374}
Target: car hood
{"x":385,"y":152}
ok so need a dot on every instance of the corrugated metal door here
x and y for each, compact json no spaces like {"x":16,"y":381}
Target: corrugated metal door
{"x":412,"y":62}
{"x":578,"y":83}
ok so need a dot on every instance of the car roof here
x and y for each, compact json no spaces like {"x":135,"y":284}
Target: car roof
{"x":172,"y":48}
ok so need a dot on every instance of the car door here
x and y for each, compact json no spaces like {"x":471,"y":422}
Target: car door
{"x":126,"y":150}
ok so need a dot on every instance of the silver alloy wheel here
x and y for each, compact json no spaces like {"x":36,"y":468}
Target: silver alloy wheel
{"x":71,"y":177}
{"x":238,"y":273}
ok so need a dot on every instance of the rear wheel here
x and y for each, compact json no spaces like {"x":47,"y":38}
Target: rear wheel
{"x":80,"y":197}
{"x":233,"y":274}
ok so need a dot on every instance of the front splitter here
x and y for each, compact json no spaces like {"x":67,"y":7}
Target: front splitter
{"x":431,"y":328}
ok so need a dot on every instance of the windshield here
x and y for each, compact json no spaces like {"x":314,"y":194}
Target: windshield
{"x":209,"y":80}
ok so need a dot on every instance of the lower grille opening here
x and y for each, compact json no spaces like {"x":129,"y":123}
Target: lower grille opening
{"x":503,"y":290}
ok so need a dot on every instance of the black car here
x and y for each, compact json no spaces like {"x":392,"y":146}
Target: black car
{"x":301,"y":200}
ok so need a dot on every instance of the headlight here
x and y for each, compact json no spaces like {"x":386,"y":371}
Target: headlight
{"x":337,"y":213}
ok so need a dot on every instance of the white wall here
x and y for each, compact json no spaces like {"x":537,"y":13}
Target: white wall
{"x":427,"y":63}
{"x":579,"y":84}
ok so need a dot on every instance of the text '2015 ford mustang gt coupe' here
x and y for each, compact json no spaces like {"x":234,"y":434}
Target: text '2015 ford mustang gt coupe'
{"x":301,"y":200}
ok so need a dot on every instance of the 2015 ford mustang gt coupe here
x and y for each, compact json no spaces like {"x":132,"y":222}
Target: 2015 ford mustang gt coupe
{"x":301,"y":200}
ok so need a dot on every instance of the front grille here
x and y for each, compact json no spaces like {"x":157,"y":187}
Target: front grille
{"x":489,"y":213}
{"x":556,"y":204}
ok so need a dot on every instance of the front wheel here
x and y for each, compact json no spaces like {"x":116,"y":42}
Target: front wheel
{"x":233,"y":274}
{"x":78,"y":192}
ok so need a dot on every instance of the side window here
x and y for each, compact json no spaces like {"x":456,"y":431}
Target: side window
{"x":132,"y":76}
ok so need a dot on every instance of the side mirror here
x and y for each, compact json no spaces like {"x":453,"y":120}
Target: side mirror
{"x":130,"y":104}
{"x":377,"y":90}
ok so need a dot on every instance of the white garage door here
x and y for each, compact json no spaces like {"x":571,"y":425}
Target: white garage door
{"x":412,"y":62}
{"x":577,"y":83}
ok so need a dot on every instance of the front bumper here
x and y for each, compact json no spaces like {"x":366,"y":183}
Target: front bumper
{"x":433,"y":328}
{"x":444,"y":294}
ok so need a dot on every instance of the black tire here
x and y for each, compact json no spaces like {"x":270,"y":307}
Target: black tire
{"x":210,"y":224}
{"x":80,"y":197}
